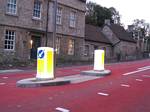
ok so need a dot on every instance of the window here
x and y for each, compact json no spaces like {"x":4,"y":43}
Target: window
{"x":57,"y":45}
{"x":59,"y":16}
{"x":11,"y":6}
{"x":9,"y":40}
{"x":71,"y":47}
{"x":73,"y":19}
{"x":86,"y":52}
{"x":37,"y":9}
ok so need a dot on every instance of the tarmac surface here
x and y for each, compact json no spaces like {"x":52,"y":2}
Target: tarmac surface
{"x":125,"y":90}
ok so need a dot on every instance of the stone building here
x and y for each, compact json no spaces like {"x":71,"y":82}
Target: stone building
{"x":95,"y":39}
{"x":23,"y":27}
{"x":123,"y":45}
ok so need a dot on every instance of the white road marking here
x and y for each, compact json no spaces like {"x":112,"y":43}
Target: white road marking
{"x":144,"y":67}
{"x":140,"y":80}
{"x":62,"y":109}
{"x":10,"y":71}
{"x":2,"y":83}
{"x":125,"y":85}
{"x":5,"y":77}
{"x":140,"y":70}
{"x":18,"y":106}
{"x":146,"y":76}
{"x":50,"y":98}
{"x":103,"y":94}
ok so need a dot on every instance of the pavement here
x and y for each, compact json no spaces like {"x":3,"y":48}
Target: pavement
{"x":125,"y":90}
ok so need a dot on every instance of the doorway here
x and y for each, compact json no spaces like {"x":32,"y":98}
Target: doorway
{"x":35,"y":43}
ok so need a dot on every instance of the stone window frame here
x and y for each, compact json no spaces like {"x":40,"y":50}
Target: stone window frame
{"x":72,"y":19}
{"x":11,"y":7}
{"x":59,"y":15}
{"x":87,"y":50}
{"x":9,"y":41}
{"x":37,"y":9}
{"x":71,"y":47}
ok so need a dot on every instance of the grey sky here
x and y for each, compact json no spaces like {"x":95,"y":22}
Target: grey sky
{"x":129,"y":9}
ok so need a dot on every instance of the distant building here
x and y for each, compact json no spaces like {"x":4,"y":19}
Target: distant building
{"x":95,"y":39}
{"x":23,"y":26}
{"x":123,"y":45}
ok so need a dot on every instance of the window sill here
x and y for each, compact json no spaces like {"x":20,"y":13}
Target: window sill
{"x":72,"y":27}
{"x":70,"y":54}
{"x":9,"y":50}
{"x":59,"y":24}
{"x":36,"y":19}
{"x":10,"y":14}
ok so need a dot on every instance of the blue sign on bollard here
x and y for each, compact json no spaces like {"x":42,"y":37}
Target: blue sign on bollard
{"x":41,"y":54}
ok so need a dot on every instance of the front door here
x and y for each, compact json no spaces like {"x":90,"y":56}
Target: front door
{"x":36,"y":42}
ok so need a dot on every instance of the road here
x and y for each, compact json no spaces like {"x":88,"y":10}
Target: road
{"x":125,"y":90}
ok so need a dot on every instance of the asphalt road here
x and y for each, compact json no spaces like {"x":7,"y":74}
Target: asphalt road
{"x":125,"y":90}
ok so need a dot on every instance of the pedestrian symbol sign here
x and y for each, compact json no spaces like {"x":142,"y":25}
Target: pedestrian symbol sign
{"x":41,"y":54}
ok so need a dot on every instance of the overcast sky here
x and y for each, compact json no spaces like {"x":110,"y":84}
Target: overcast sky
{"x":128,"y":9}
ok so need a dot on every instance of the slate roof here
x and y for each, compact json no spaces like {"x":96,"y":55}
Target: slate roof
{"x":94,"y":33}
{"x":121,"y":33}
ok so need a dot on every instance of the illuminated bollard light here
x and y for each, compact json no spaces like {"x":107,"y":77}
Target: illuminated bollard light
{"x":45,"y":71}
{"x":99,"y":59}
{"x":45,"y":60}
{"x":98,"y":70}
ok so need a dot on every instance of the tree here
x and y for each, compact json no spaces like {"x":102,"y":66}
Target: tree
{"x":96,"y":14}
{"x":140,"y":32}
{"x":142,"y":27}
{"x":115,"y":15}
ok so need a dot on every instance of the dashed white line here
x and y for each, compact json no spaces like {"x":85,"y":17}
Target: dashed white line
{"x":140,"y":80}
{"x":146,"y":76}
{"x":2,"y":84}
{"x":5,"y":77}
{"x":18,"y":106}
{"x":62,"y":109}
{"x":125,"y":85}
{"x":103,"y":94}
{"x":140,"y":70}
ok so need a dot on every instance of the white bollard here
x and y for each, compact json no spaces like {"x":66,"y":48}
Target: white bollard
{"x":99,"y":58}
{"x":45,"y":63}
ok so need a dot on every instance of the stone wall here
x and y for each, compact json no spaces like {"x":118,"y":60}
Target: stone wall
{"x":23,"y":18}
{"x":21,"y":50}
{"x":26,"y":26}
{"x":64,"y":28}
{"x":106,"y":47}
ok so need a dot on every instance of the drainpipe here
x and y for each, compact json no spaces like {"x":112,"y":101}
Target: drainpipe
{"x":47,"y":21}
{"x":54,"y":33}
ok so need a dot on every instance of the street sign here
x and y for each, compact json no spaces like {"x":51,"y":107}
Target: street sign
{"x":41,"y":54}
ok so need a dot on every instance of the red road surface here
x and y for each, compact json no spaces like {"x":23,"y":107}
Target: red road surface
{"x":120,"y":93}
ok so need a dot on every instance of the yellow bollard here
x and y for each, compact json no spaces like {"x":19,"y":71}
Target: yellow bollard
{"x":45,"y":63}
{"x":99,"y":58}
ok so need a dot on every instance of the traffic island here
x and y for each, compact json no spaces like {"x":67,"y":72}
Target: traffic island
{"x":34,"y":82}
{"x":96,"y":72}
{"x":99,"y":70}
{"x":45,"y":71}
{"x":73,"y":79}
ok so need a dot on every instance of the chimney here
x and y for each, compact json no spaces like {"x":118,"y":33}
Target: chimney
{"x":107,"y":22}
